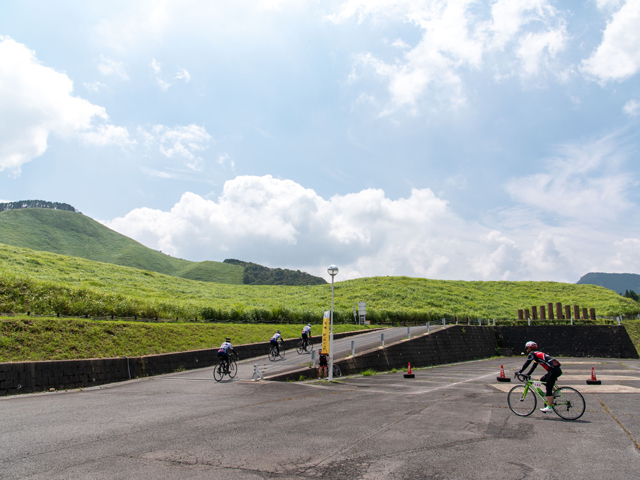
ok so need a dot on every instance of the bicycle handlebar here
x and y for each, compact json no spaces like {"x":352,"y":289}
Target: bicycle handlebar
{"x":522,"y":377}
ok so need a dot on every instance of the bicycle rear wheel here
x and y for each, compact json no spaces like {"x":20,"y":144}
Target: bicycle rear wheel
{"x":217,"y":372}
{"x":272,"y":354}
{"x":233,"y":369}
{"x":523,"y":406}
{"x":336,"y":371}
{"x":568,"y":403}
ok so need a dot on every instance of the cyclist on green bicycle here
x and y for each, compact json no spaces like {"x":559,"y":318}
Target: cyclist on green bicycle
{"x":274,"y":341}
{"x":550,"y":364}
{"x":223,"y":353}
{"x":306,"y":331}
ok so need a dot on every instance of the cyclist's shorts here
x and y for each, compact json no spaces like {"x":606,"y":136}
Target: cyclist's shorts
{"x":273,"y":342}
{"x":223,"y":355}
{"x":323,"y":361}
{"x":550,"y":379}
{"x":304,"y":335}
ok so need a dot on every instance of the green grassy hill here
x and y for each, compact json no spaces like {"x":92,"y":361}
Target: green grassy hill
{"x":70,"y":233}
{"x":47,"y":283}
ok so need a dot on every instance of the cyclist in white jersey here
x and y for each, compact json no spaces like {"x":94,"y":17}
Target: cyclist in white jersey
{"x":274,"y":341}
{"x":223,"y":353}
{"x":306,"y":332}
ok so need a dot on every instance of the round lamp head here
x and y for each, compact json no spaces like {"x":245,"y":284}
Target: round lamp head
{"x":332,"y":270}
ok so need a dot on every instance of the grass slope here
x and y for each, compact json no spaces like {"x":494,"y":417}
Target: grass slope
{"x":47,"y":283}
{"x":70,"y":233}
{"x":31,"y":339}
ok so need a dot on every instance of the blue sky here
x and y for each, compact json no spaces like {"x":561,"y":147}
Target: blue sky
{"x":475,"y":140}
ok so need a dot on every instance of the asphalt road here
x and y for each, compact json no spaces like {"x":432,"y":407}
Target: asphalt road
{"x":451,"y":422}
{"x":342,"y":348}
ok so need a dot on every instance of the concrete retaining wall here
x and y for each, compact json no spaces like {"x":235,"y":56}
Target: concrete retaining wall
{"x":463,"y":343}
{"x":28,"y":377}
{"x":608,"y":341}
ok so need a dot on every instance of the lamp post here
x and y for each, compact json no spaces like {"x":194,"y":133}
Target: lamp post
{"x":333,"y":271}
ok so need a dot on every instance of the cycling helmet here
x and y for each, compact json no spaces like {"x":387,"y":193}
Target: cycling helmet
{"x":533,"y":345}
{"x":227,"y":339}
{"x":308,"y":324}
{"x":278,"y":331}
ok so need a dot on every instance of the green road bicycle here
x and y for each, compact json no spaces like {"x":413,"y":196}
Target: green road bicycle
{"x":568,"y":403}
{"x":224,"y":368}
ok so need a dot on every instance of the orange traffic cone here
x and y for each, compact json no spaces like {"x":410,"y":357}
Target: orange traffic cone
{"x":409,"y":374}
{"x":594,"y":380}
{"x":502,"y":377}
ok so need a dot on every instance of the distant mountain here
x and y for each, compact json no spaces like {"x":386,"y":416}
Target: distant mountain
{"x":255,"y":274}
{"x":62,"y":230}
{"x":618,"y":282}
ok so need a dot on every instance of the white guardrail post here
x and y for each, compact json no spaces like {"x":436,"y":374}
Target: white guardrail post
{"x":257,"y":373}
{"x":353,"y":347}
{"x":428,"y":327}
{"x":313,"y":358}
{"x":382,"y":339}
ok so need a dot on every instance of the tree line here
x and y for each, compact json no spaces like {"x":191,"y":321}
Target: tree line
{"x":36,"y":204}
{"x":255,"y":274}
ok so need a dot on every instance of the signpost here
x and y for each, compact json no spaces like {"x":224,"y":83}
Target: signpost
{"x":362,"y":311}
{"x":326,"y":331}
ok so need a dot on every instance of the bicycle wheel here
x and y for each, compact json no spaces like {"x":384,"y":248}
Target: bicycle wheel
{"x":272,"y":354}
{"x":568,"y":403}
{"x":300,"y":348}
{"x":233,"y":369}
{"x":217,"y":373}
{"x":336,"y":371}
{"x":234,"y":356}
{"x":523,"y":406}
{"x":282,"y":352}
{"x":309,"y":346}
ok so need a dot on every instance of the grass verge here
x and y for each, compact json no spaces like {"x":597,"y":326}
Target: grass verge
{"x":31,"y":339}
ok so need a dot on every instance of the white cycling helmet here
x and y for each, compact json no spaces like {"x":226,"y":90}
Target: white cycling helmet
{"x":278,"y":331}
{"x":308,"y":324}
{"x":533,"y":345}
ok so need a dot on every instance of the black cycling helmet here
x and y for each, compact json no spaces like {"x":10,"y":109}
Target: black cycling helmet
{"x":228,"y":339}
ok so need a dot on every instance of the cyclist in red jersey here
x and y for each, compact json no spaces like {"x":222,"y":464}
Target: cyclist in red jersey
{"x":550,"y":364}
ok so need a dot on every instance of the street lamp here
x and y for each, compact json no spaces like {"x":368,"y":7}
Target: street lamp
{"x":333,"y":271}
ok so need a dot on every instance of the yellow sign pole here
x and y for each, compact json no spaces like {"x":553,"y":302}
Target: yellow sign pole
{"x":325,"y":331}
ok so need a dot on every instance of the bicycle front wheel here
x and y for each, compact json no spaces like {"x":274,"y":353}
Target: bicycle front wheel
{"x":568,"y":403}
{"x":300,"y":348}
{"x":522,"y":405}
{"x":233,"y":369}
{"x":281,"y":352}
{"x":272,"y":354}
{"x":217,"y":373}
{"x":336,"y":371}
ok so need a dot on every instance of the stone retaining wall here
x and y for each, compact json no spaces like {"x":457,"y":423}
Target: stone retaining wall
{"x":463,"y":343}
{"x":28,"y":377}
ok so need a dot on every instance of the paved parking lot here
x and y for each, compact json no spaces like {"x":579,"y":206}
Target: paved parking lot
{"x":450,"y":422}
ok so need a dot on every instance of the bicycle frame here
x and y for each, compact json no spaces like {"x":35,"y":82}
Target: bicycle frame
{"x":536,"y":387}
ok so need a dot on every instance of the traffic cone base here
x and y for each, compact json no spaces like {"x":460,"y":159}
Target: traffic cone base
{"x":409,"y":374}
{"x":502,"y":377}
{"x":594,"y":380}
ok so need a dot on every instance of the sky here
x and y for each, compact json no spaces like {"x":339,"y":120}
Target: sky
{"x":460,"y":140}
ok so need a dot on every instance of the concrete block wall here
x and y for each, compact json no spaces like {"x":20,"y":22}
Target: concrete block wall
{"x":609,"y":341}
{"x":29,"y":377}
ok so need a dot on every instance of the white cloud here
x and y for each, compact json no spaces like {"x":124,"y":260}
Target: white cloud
{"x":225,"y":159}
{"x":94,"y":87}
{"x":618,"y":56}
{"x":632,"y":108}
{"x":280,"y":223}
{"x":180,"y":142}
{"x":35,"y":102}
{"x":583,"y":182}
{"x":163,"y":83}
{"x":110,"y":67}
{"x":454,"y":40}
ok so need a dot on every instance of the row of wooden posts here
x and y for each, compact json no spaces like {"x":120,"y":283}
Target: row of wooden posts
{"x":524,"y":314}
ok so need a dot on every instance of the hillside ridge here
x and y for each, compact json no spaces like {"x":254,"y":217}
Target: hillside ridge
{"x":67,"y":232}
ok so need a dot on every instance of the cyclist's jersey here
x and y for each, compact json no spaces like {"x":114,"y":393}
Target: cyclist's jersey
{"x":276,"y":337}
{"x":541,"y":358}
{"x":306,"y":330}
{"x":224,"y":347}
